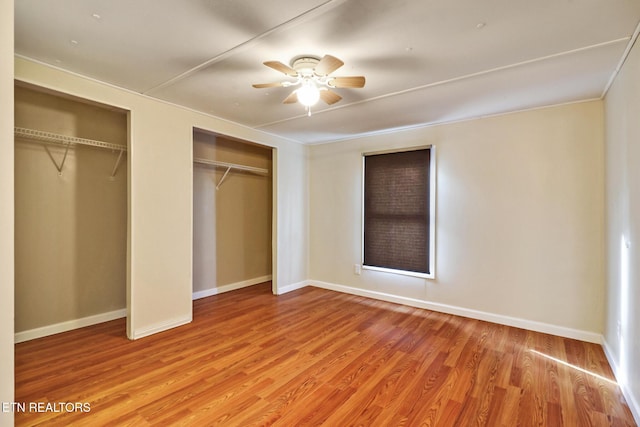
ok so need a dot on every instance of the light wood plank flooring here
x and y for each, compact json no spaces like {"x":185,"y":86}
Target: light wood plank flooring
{"x":316,"y":357}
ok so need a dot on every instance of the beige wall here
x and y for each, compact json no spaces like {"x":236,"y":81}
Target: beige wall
{"x":70,"y":229}
{"x":232,"y":225}
{"x":519,"y":222}
{"x":160,"y":197}
{"x":6,"y":209}
{"x":622,"y":332}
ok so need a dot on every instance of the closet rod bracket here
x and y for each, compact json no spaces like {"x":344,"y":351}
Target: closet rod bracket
{"x":60,"y":166}
{"x":116,"y":166}
{"x":223,"y":177}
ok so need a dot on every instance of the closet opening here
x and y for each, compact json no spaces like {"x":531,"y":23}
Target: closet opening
{"x":71,"y":208}
{"x":232,"y":214}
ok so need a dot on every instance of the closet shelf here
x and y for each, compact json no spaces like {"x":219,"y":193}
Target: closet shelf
{"x":54,"y":138}
{"x":68,"y":141}
{"x":260,"y":171}
{"x":230,"y":166}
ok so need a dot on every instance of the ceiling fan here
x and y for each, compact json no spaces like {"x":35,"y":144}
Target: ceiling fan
{"x":312,"y":75}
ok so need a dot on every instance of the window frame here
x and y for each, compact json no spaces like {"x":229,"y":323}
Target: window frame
{"x":432,"y":213}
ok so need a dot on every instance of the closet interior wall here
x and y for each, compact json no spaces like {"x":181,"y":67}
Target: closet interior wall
{"x":70,"y":226}
{"x":231,"y":224}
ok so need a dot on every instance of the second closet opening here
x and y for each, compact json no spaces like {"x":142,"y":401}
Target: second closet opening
{"x":232,"y":214}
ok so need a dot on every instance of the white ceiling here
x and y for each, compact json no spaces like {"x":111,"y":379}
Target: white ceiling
{"x":425,"y":61}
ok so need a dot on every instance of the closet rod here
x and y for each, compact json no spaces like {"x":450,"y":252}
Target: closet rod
{"x":260,"y":171}
{"x":54,"y":138}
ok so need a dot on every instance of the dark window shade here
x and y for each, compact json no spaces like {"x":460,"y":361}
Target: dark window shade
{"x":396,"y":210}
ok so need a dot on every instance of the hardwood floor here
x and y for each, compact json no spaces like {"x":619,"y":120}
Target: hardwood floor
{"x":316,"y":357}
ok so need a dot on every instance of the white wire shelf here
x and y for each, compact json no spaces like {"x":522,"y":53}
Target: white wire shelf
{"x":260,"y":171}
{"x":54,"y":138}
{"x":67,"y":141}
{"x":229,"y":167}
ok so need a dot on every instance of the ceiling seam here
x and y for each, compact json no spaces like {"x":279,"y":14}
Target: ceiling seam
{"x":317,"y":9}
{"x":623,"y":59}
{"x":455,"y":79}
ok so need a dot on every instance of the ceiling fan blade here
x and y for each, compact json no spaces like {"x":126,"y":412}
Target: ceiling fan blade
{"x":279,"y":66}
{"x":329,"y":97}
{"x":265,"y":85}
{"x":349,"y":82}
{"x":327,"y":65}
{"x":291,"y":99}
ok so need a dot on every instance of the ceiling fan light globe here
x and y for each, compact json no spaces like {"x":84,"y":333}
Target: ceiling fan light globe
{"x":308,"y":94}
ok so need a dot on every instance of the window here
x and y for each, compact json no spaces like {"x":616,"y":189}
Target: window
{"x":398,"y":229}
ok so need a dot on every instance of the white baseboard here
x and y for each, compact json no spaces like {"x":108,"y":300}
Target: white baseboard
{"x":160,"y":327}
{"x":465,"y":312}
{"x":68,"y":325}
{"x":230,"y":287}
{"x":294,"y":286}
{"x":633,"y":403}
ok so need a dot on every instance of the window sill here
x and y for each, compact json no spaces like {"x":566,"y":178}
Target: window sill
{"x":400,"y":272}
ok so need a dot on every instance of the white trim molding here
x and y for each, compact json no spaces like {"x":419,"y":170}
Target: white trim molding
{"x":161,"y":327}
{"x":292,"y":287}
{"x":546,"y":328}
{"x":230,"y":287}
{"x":632,"y":402}
{"x":69,"y":325}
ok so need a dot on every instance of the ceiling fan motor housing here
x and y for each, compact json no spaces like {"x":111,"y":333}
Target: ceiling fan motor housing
{"x":305,"y":64}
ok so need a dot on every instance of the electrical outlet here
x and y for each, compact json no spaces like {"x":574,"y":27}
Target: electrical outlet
{"x":356,"y":269}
